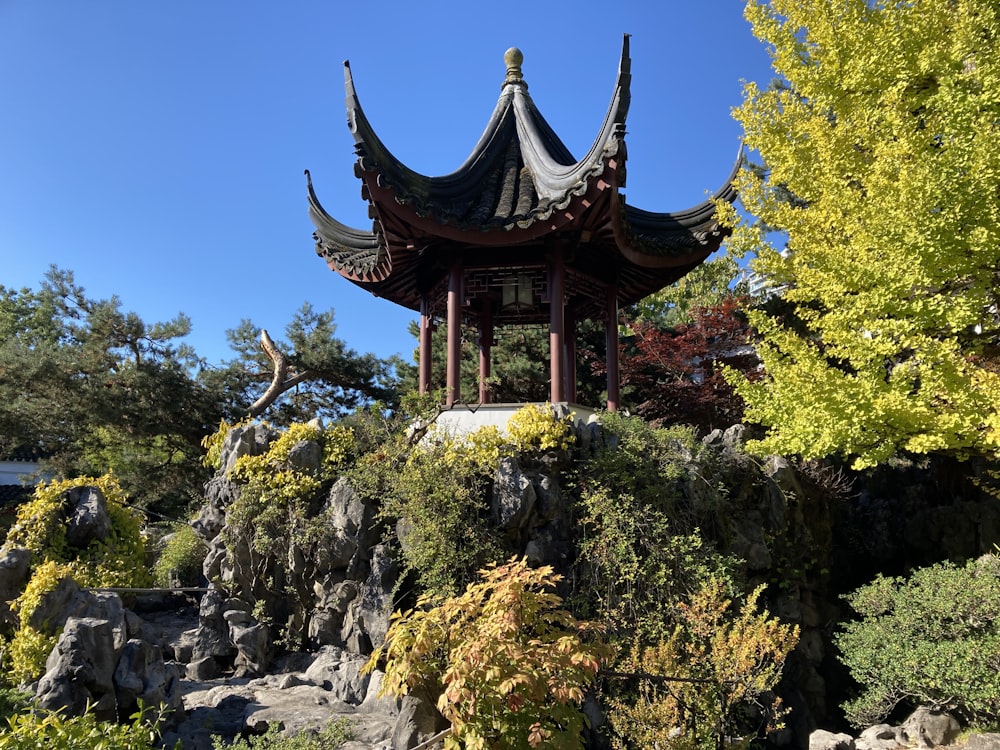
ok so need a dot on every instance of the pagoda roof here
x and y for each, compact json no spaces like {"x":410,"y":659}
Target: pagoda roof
{"x":519,"y":188}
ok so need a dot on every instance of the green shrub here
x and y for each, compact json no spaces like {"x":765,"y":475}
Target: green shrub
{"x":664,"y":592}
{"x":930,"y":639}
{"x":640,"y":551}
{"x":439,"y":491}
{"x":181,"y":559}
{"x":52,"y":731}
{"x":438,"y":495}
{"x":118,"y":560}
{"x":332,"y":736}
{"x":13,"y":701}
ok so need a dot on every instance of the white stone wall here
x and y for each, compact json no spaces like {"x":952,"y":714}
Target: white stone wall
{"x":461,"y":419}
{"x":17,"y":472}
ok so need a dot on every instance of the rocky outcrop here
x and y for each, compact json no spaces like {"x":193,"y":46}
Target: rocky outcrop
{"x":924,"y":728}
{"x":15,"y":563}
{"x":786,"y":521}
{"x":87,"y":518}
{"x":530,"y":510}
{"x":80,"y":670}
{"x":113,"y":660}
{"x":306,"y":691}
{"x":100,"y":658}
{"x":824,"y":740}
{"x":986,"y":741}
{"x":927,"y":727}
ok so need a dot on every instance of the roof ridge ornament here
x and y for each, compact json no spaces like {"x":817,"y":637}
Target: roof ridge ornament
{"x":513,"y":59}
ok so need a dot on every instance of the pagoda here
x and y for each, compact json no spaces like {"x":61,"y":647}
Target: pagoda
{"x":521,"y":233}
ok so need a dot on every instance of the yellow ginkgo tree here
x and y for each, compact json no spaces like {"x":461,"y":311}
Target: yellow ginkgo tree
{"x":880,"y":140}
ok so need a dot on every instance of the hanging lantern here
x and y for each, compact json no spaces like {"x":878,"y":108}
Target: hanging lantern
{"x":517,"y":293}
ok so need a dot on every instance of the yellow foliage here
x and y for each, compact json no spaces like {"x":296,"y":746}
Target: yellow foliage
{"x":881,"y":174}
{"x":25,"y":654}
{"x":509,"y":668}
{"x":532,"y":429}
{"x":118,"y":560}
{"x":213,"y":443}
{"x":694,"y":681}
{"x":535,"y":427}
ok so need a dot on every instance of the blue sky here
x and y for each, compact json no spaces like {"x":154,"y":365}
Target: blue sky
{"x":157,"y":149}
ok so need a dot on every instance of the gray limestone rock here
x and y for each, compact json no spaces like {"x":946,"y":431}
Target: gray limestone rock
{"x":513,"y":496}
{"x":143,"y":677}
{"x":214,"y":559}
{"x":219,"y":494}
{"x":549,"y":500}
{"x":347,"y":511}
{"x":295,"y":709}
{"x":306,"y":455}
{"x":223,"y":715}
{"x":80,"y":670}
{"x":339,"y":672}
{"x":212,"y":636}
{"x":418,"y":721}
{"x":253,"y":648}
{"x":14,"y":565}
{"x":367,"y":619}
{"x":246,"y":440}
{"x":337,"y":551}
{"x":926,"y":727}
{"x":986,"y":741}
{"x":878,"y":737}
{"x":87,"y":518}
{"x":824,"y":740}
{"x":68,"y":600}
{"x":200,"y":670}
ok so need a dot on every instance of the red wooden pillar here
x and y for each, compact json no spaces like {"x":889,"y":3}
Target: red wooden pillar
{"x":485,"y":344}
{"x":611,"y":337}
{"x":426,"y":329}
{"x":453,"y":387}
{"x":557,"y":325}
{"x":571,"y":357}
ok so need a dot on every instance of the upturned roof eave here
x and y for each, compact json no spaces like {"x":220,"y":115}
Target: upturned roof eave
{"x":556,"y":174}
{"x":375,"y":156}
{"x":554,"y":179}
{"x":661,"y":244}
{"x":356,"y":254}
{"x":693,"y":234}
{"x":335,"y":231}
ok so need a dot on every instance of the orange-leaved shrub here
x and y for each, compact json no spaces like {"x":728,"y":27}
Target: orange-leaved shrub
{"x":509,"y":668}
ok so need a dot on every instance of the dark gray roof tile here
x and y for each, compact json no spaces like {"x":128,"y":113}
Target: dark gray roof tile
{"x":519,"y":179}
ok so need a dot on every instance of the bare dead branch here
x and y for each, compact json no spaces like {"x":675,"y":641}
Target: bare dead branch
{"x":280,"y":381}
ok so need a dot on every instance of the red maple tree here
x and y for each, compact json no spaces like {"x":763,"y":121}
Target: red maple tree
{"x":673,"y":375}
